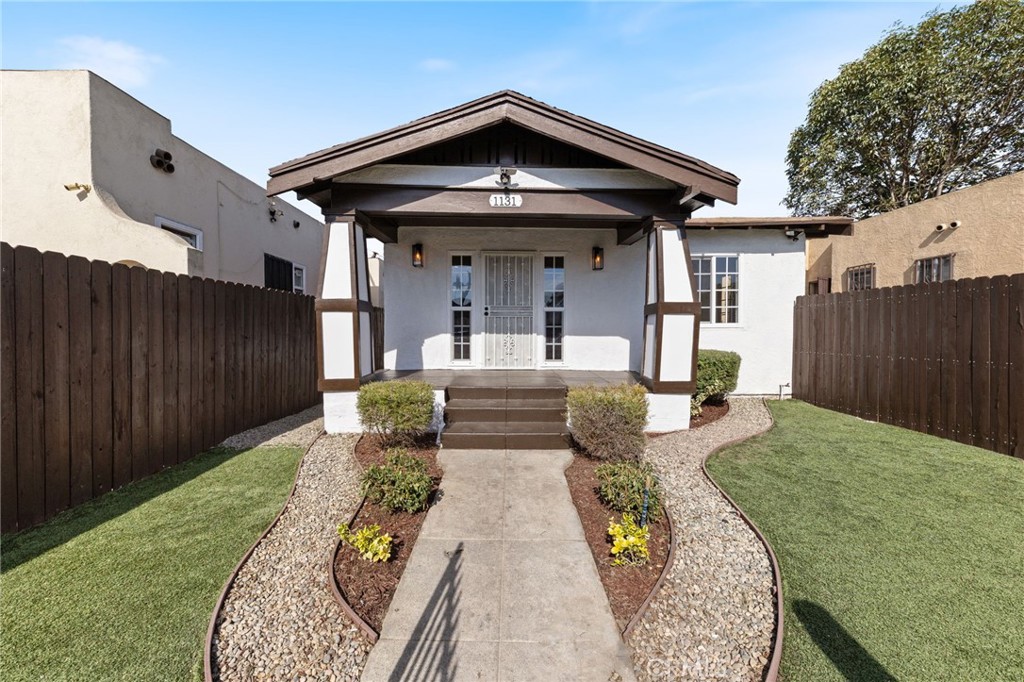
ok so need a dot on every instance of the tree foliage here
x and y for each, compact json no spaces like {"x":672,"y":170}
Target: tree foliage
{"x":928,"y":109}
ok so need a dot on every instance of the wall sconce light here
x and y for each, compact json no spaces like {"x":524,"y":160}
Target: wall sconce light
{"x":295,"y":224}
{"x":597,"y":258}
{"x":417,"y":255}
{"x":793,"y":235}
{"x":161,"y":160}
{"x":78,"y":187}
{"x":274,"y":212}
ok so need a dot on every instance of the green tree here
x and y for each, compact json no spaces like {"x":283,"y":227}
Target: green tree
{"x":929,"y":109}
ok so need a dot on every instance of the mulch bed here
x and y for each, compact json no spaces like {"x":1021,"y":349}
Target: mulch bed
{"x":369,"y":587}
{"x":709,"y":412}
{"x":627,"y":586}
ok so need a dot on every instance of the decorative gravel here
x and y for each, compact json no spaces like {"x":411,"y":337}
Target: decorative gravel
{"x":714,"y":617}
{"x":297,"y":430}
{"x":280,"y":621}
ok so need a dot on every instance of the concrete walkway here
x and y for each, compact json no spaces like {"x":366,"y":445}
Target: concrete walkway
{"x":501,"y":584}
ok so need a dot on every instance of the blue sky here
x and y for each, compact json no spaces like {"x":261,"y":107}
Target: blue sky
{"x":256,"y":84}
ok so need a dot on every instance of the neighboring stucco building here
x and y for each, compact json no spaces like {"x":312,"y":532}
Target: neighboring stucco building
{"x":972,"y":232}
{"x":77,"y":178}
{"x":518,"y":236}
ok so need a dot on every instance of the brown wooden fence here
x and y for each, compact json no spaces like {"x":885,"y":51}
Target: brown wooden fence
{"x":110,"y":373}
{"x":945,"y":359}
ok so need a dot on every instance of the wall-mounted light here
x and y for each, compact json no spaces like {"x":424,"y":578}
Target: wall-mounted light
{"x":161,"y":160}
{"x":78,"y":187}
{"x":295,"y":224}
{"x":505,"y":174}
{"x":417,"y":255}
{"x":274,"y":212}
{"x":597,"y":258}
{"x":793,"y":235}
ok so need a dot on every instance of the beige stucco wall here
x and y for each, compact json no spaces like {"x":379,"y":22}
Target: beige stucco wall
{"x":989,"y":241}
{"x":72,"y":126}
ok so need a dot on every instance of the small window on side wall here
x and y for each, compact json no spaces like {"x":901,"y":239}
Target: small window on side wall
{"x":284,"y":275}
{"x":937,"y":269}
{"x":718,"y":279}
{"x":192,"y":236}
{"x":860,"y":278}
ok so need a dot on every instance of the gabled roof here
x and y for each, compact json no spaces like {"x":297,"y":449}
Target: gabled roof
{"x":688,"y":172}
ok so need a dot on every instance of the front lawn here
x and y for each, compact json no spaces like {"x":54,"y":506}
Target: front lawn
{"x":122,"y":588}
{"x":902,"y":555}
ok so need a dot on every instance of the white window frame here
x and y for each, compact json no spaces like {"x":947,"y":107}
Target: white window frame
{"x":172,"y":226}
{"x":739,"y":289}
{"x":542,"y":318}
{"x":298,"y":268}
{"x":474,"y":353}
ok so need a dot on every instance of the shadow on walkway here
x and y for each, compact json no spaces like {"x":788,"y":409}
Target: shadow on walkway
{"x":430,"y":652}
{"x":851,"y":659}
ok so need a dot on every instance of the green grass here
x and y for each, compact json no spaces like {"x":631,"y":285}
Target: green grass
{"x":902,"y":555}
{"x":122,"y":588}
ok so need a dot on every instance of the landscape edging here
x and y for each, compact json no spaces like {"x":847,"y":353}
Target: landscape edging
{"x":212,"y":628}
{"x":772,"y":672}
{"x":641,"y":610}
{"x":336,"y":592}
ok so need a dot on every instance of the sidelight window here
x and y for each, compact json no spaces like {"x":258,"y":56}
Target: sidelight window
{"x":554,"y":307}
{"x":462,"y":306}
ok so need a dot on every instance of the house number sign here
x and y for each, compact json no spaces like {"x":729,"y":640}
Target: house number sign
{"x":506,"y":200}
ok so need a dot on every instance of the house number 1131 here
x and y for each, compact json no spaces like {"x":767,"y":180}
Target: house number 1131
{"x":506,"y":200}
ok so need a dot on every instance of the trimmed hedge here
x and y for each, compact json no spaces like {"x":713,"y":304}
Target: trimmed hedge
{"x":608,"y":422}
{"x":397,"y":411}
{"x":400,"y":484}
{"x":717,"y":372}
{"x":622,"y":486}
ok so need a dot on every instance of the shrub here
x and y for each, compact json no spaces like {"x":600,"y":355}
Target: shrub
{"x":717,"y":372}
{"x":608,"y":422}
{"x":622,"y":487}
{"x":397,"y":411}
{"x":629,"y":542}
{"x":371,"y":544}
{"x":400,"y":484}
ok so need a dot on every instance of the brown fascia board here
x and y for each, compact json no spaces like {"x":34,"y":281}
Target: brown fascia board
{"x":492,"y":110}
{"x":811,"y":226}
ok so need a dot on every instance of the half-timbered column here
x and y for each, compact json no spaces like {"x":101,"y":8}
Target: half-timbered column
{"x":671,"y":326}
{"x":343,"y":321}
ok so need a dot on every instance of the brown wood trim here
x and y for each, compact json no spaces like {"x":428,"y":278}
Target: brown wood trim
{"x":396,"y":201}
{"x":338,"y":384}
{"x":688,"y":257}
{"x":659,"y":337}
{"x":342,"y":305}
{"x":212,"y":628}
{"x":672,"y":308}
{"x":659,"y":261}
{"x":772,"y":672}
{"x":378,"y":228}
{"x":323,"y":257}
{"x":696,"y":346}
{"x":674,"y":387}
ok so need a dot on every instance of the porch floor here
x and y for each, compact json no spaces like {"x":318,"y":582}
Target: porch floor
{"x":512,"y":378}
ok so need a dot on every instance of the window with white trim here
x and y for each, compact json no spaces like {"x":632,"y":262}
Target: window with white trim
{"x":298,"y":278}
{"x":192,"y":236}
{"x":937,"y":269}
{"x":283,"y":275}
{"x":718,"y":288}
{"x":860,"y":278}
{"x":554,"y":307}
{"x":462,"y":306}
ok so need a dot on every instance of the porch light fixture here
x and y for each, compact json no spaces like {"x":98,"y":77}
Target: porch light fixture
{"x":417,"y":255}
{"x":793,"y":235}
{"x":597,"y":258}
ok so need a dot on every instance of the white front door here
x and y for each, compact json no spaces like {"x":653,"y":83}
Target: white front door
{"x":508,"y":311}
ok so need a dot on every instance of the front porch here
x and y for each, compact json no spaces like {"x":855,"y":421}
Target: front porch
{"x":442,"y":379}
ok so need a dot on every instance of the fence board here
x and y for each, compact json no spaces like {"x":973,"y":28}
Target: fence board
{"x":80,"y":378}
{"x":110,"y":373}
{"x":28,"y":372}
{"x":56,"y":378}
{"x":8,"y":397}
{"x":945,"y":359}
{"x":101,"y":358}
{"x":122,"y":362}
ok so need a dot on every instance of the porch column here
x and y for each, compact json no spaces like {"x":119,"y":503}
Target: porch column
{"x":344,"y":345}
{"x":671,"y":326}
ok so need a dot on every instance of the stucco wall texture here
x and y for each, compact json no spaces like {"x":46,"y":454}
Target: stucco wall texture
{"x":63,"y":127}
{"x":988,"y":242}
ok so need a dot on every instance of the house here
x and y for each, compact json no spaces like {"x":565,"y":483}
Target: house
{"x":972,"y":232}
{"x":518,"y":236}
{"x":88,"y":170}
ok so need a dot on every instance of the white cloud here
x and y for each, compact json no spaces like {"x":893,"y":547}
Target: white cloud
{"x":436,"y":64}
{"x":118,"y":62}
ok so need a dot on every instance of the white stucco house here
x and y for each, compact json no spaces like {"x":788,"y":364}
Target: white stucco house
{"x":527,"y":247}
{"x":88,"y":170}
